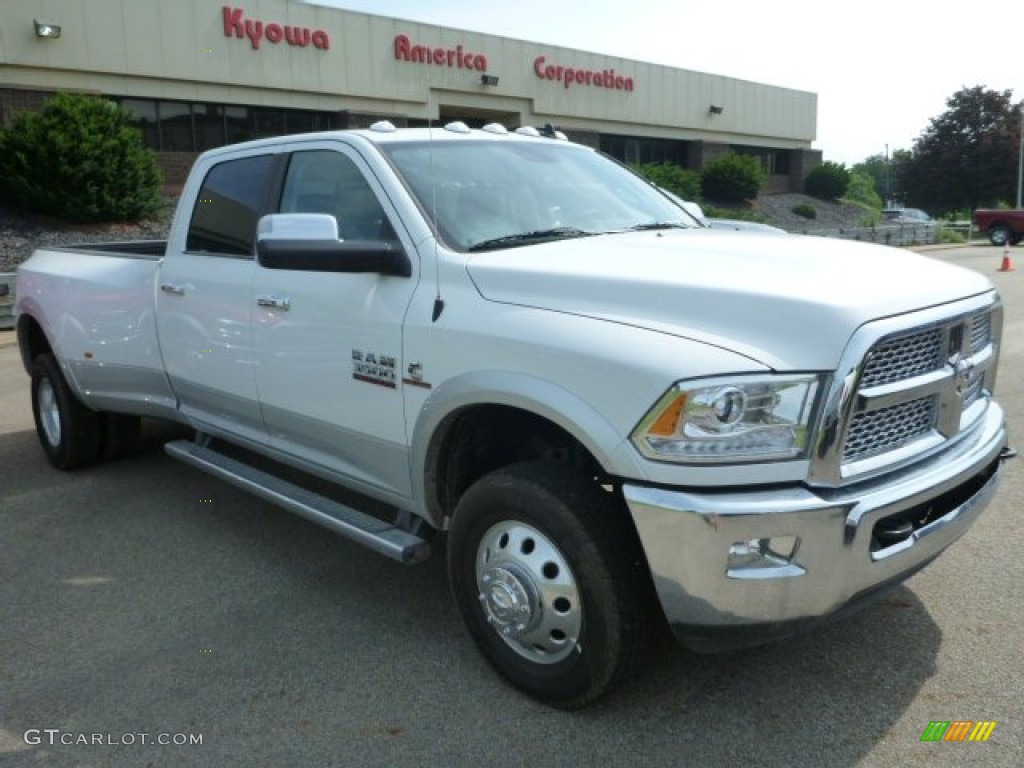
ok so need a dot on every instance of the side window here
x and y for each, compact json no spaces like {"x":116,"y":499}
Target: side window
{"x":229,"y":206}
{"x":323,"y":181}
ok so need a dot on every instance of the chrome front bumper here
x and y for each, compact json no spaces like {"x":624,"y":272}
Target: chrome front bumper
{"x":740,"y":567}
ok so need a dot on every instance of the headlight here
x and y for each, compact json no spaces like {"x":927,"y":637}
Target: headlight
{"x":732,"y":419}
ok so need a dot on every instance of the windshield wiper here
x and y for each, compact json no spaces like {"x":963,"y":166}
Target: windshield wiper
{"x":658,"y":225}
{"x":528,"y":238}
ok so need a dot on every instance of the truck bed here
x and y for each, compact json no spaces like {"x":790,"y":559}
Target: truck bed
{"x":97,"y":302}
{"x":131,"y":249}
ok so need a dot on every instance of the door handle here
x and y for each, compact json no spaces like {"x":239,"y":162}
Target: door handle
{"x":276,"y":302}
{"x":177,"y":290}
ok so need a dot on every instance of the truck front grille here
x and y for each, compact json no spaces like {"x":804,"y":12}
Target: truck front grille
{"x":903,"y":358}
{"x":888,"y":428}
{"x":915,"y":387}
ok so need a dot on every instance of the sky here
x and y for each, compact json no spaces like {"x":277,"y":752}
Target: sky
{"x":881,"y":70}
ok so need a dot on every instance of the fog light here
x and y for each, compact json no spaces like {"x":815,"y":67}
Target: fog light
{"x":764,"y":558}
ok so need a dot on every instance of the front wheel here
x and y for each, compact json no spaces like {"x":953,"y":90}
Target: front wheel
{"x":999,"y":234}
{"x":68,"y":431}
{"x":550,"y":580}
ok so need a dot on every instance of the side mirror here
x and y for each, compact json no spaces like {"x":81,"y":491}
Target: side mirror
{"x":308,"y":242}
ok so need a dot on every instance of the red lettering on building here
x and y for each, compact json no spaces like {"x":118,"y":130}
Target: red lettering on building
{"x":454,"y":58}
{"x":235,"y":25}
{"x":570,"y":76}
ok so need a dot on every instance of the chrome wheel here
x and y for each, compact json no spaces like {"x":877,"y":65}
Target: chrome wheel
{"x":528,"y":592}
{"x":49,"y":412}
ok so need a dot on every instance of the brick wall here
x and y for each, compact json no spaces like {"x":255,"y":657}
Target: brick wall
{"x":175,"y":166}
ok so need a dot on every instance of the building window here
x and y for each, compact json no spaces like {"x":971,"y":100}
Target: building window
{"x":643,"y":150}
{"x":177,"y":126}
{"x":267,"y":122}
{"x":307,"y":122}
{"x":208,"y":120}
{"x":144,"y":111}
{"x":774,"y":162}
{"x":176,"y":134}
{"x":238,"y":124}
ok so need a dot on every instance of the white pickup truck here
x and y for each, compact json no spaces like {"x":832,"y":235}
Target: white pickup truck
{"x":618,"y":417}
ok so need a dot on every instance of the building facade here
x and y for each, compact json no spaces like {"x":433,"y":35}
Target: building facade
{"x":201,"y":73}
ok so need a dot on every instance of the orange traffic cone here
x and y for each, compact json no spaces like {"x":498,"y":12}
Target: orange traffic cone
{"x":1007,"y":265}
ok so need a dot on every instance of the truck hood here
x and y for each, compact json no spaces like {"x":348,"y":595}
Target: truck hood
{"x":790,"y":302}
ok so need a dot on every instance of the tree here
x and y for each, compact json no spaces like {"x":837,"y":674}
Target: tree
{"x":862,"y":190}
{"x":967,"y":157}
{"x":79,"y":158}
{"x":879,"y":170}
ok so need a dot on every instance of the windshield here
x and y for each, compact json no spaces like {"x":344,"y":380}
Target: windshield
{"x":485,"y":195}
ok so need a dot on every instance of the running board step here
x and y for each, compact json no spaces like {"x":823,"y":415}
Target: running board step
{"x":380,"y":536}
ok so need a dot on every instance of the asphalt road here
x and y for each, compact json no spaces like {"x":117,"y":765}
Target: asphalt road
{"x":142,"y":597}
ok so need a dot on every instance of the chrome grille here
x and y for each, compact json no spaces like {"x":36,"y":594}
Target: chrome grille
{"x":903,"y":358}
{"x":981,"y":331}
{"x":888,"y":428}
{"x":899,"y":403}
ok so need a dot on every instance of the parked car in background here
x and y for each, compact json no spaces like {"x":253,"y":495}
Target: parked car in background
{"x":1002,"y":226}
{"x":735,"y":224}
{"x":907,"y":216}
{"x":744,"y":225}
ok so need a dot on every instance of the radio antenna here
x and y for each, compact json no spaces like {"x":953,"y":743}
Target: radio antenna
{"x":438,"y":301}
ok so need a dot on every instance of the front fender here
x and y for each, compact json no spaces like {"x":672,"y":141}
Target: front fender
{"x":529,"y":393}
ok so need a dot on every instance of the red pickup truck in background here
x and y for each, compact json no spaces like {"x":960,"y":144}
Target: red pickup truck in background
{"x":1002,"y":226}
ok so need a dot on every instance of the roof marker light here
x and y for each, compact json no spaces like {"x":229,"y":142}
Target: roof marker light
{"x":496,"y":128}
{"x":383,"y":126}
{"x":457,"y":127}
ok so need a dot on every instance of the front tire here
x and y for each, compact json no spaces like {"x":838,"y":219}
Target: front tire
{"x":68,"y":431}
{"x":1000,"y":234}
{"x":550,"y":579}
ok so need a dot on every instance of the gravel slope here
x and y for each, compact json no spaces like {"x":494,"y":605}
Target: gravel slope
{"x":21,"y":232}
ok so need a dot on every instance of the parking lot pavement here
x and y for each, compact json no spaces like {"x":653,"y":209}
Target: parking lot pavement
{"x":141,"y":597}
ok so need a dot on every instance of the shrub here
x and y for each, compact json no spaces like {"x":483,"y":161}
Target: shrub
{"x":828,"y":181}
{"x":742,"y":214}
{"x":861,"y":189}
{"x":732,"y":178}
{"x":80,"y":159}
{"x":806,"y":210}
{"x":947,"y":235}
{"x":679,"y":181}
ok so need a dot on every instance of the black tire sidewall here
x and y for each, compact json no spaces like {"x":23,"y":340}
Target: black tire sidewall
{"x":79,"y":427}
{"x":530,"y":493}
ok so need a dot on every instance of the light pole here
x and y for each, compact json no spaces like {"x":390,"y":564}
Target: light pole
{"x":1020,"y":157}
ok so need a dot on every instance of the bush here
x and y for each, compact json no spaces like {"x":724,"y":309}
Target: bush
{"x":861,"y":189}
{"x":828,"y":181}
{"x":80,"y":159}
{"x":679,"y":181}
{"x":741,"y":214}
{"x":806,"y":210}
{"x":732,"y":178}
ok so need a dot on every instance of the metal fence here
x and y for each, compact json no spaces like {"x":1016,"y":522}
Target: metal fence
{"x":6,"y":300}
{"x":900,"y":235}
